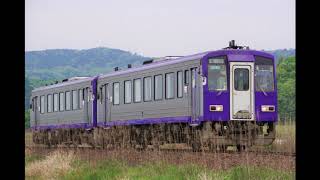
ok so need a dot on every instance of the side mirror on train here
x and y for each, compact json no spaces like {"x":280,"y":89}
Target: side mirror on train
{"x":30,"y":106}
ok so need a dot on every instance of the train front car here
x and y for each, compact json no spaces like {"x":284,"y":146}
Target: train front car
{"x":240,"y":97}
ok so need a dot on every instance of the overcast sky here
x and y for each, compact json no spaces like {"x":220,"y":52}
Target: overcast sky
{"x":159,"y":27}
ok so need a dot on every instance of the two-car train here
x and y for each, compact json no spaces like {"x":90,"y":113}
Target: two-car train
{"x":211,"y":99}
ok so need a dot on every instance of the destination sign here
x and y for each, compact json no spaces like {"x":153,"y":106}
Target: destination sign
{"x":216,"y":61}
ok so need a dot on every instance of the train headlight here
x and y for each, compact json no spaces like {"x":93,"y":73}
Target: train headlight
{"x":268,"y":108}
{"x":216,"y":107}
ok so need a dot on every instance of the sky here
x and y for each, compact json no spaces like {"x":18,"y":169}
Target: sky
{"x":159,"y":28}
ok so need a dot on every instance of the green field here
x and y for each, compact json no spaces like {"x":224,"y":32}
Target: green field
{"x":66,"y":165}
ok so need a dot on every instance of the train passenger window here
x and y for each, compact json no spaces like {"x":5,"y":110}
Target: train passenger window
{"x":147,"y":89}
{"x":169,"y":85}
{"x":75,"y":99}
{"x":80,"y":98}
{"x":241,"y":79}
{"x":137,"y":90}
{"x":41,"y":104}
{"x":55,"y":102}
{"x":217,"y":74}
{"x":127,"y":92}
{"x":49,"y":103}
{"x":186,"y":77}
{"x":264,"y":78}
{"x":158,"y":87}
{"x":179,"y":84}
{"x":61,"y":101}
{"x":116,"y":93}
{"x":68,"y":100}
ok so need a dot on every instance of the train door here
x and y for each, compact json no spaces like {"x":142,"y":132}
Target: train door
{"x":87,"y":105}
{"x":34,"y":110}
{"x":107,"y":106}
{"x":195,"y":95}
{"x":242,"y":92}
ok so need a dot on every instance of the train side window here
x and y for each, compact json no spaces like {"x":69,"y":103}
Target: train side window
{"x":158,"y":87}
{"x":179,"y":84}
{"x":169,"y":85}
{"x":116,"y":93}
{"x":127,"y":92}
{"x":147,"y":90}
{"x":41,"y":104}
{"x":75,"y":99}
{"x":186,"y":77}
{"x":137,"y":90}
{"x":49,"y":103}
{"x":80,"y":98}
{"x":61,"y":101}
{"x":68,"y":101}
{"x":55,"y":102}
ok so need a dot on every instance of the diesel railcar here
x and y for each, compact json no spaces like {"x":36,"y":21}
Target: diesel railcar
{"x":208,"y":100}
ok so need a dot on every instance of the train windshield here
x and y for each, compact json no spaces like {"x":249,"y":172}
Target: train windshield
{"x":217,"y":75}
{"x":264,"y":78}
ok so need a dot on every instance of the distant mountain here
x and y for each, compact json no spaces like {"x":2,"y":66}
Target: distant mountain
{"x":284,"y":53}
{"x":64,"y":63}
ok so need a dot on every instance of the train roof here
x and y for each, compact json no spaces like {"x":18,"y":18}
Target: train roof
{"x":188,"y":58}
{"x":70,"y":82}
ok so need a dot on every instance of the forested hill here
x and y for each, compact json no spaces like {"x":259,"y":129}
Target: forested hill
{"x":65,"y":63}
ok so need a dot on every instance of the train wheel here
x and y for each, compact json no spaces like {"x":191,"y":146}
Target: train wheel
{"x":241,"y":148}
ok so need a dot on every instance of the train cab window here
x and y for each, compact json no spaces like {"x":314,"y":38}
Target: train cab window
{"x":49,"y":103}
{"x":169,"y":85}
{"x":217,"y":74}
{"x":61,"y":101}
{"x":158,"y":87}
{"x":127,"y":92}
{"x":116,"y":93}
{"x":179,"y":84}
{"x":147,"y":88}
{"x":55,"y":102}
{"x":186,"y":77}
{"x":80,"y":98}
{"x":137,"y":90}
{"x":41,"y":104}
{"x":241,"y":79}
{"x":75,"y":99}
{"x":264,"y":80}
{"x":68,"y":100}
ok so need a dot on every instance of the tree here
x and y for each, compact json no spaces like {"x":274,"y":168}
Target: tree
{"x":286,"y":78}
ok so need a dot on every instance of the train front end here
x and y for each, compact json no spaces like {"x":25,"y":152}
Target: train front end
{"x":240,"y":96}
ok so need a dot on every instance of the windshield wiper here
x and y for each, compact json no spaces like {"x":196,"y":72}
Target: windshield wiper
{"x":263,"y":91}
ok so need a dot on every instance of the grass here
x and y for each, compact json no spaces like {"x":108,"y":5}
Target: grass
{"x":134,"y":165}
{"x":159,"y":171}
{"x":67,"y":165}
{"x":285,"y":138}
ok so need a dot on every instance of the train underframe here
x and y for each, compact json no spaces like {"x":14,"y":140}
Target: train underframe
{"x":207,"y":136}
